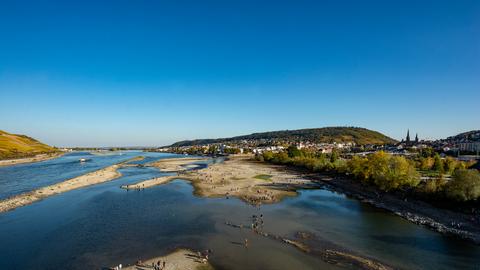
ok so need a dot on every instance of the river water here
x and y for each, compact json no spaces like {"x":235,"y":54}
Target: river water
{"x":103,"y":225}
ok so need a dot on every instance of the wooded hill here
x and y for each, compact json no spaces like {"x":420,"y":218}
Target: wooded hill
{"x":360,"y":136}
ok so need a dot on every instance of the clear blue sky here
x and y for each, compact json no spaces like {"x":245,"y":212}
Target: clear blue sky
{"x":154,"y":72}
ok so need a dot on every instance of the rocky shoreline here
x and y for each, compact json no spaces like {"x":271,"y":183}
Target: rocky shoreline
{"x":419,"y":212}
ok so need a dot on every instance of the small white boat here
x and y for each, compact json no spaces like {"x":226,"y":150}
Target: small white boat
{"x":82,"y":159}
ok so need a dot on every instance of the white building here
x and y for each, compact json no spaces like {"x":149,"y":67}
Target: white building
{"x":469,"y":146}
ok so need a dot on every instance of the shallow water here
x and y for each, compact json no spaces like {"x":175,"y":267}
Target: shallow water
{"x":103,"y":225}
{"x":26,"y":177}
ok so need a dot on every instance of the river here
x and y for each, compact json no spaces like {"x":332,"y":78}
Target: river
{"x":103,"y":225}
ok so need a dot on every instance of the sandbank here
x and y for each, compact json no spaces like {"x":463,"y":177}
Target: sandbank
{"x":151,"y":182}
{"x":175,"y":164}
{"x":181,"y":259}
{"x":103,"y":175}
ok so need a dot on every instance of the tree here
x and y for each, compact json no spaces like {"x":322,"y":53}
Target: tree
{"x":212,"y":149}
{"x":464,"y":186}
{"x":358,"y":166}
{"x":281,"y":158}
{"x":385,"y":171}
{"x":232,"y":150}
{"x":333,"y":156}
{"x":267,"y":155}
{"x":438,"y":164}
{"x":450,"y":164}
{"x":426,"y":163}
{"x":395,"y":172}
{"x":293,"y":151}
{"x":426,"y":152}
{"x":430,"y":187}
{"x":378,"y":164}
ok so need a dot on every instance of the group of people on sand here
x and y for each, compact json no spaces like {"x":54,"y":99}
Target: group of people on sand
{"x":261,"y":196}
{"x":257,"y":223}
{"x":118,"y":267}
{"x":159,"y":265}
{"x":137,"y":187}
{"x":203,"y":256}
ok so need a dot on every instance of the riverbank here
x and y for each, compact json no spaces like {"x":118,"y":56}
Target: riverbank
{"x":96,"y":177}
{"x":181,"y":259}
{"x":37,"y":158}
{"x":419,"y":212}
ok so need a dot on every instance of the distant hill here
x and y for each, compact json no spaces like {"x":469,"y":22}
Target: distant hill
{"x":18,"y":146}
{"x":469,"y":136}
{"x":360,"y":136}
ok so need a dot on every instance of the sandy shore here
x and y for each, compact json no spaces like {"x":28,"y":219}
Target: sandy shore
{"x":175,"y":164}
{"x":181,"y":259}
{"x":92,"y":178}
{"x":239,"y":176}
{"x":37,"y":158}
{"x":151,"y":182}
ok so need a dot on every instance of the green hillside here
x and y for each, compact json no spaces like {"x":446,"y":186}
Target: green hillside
{"x":18,"y":146}
{"x":361,"y":136}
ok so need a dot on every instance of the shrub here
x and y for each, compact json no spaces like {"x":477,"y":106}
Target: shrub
{"x":464,"y":186}
{"x":433,"y":186}
{"x":267,"y":155}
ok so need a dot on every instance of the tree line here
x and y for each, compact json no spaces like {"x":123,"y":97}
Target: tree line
{"x":390,"y":172}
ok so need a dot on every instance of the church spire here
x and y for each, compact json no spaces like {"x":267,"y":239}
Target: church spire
{"x":408,"y":136}
{"x":416,"y":138}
